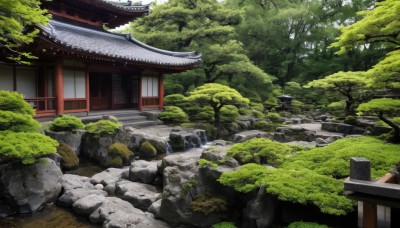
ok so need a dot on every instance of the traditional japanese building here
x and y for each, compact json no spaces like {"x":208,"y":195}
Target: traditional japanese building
{"x":82,"y":67}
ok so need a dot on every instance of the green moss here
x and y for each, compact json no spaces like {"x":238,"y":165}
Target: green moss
{"x":147,"y":150}
{"x":25,"y":146}
{"x":173,"y":114}
{"x":102,"y":127}
{"x":224,"y":225}
{"x":116,"y":162}
{"x":66,"y":123}
{"x":120,"y":154}
{"x":187,"y":187}
{"x":205,"y":163}
{"x":259,"y":150}
{"x":69,"y":160}
{"x":207,"y":204}
{"x":306,"y":225}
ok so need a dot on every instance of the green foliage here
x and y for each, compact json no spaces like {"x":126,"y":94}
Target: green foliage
{"x":66,"y":123}
{"x":173,"y":114}
{"x":69,"y":160}
{"x":25,"y":146}
{"x":260,"y":151}
{"x":224,"y":225}
{"x":205,"y":163}
{"x":204,"y":114}
{"x":16,"y":16}
{"x":274,"y":117}
{"x":120,"y":150}
{"x":337,"y":108}
{"x":217,"y":96}
{"x":316,"y":176}
{"x":14,"y":102}
{"x":350,"y":120}
{"x":187,"y":187}
{"x":17,"y":122}
{"x":229,"y":114}
{"x":395,"y":120}
{"x":211,"y":131}
{"x":262,"y":125}
{"x":385,"y":105}
{"x":174,"y":100}
{"x":206,"y":204}
{"x":306,"y":225}
{"x":102,"y":127}
{"x":147,"y":150}
{"x":333,"y":160}
{"x":116,"y":162}
{"x":15,"y":113}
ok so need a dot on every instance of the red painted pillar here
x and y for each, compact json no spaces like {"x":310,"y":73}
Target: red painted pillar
{"x":87,"y":90}
{"x":140,"y":92}
{"x":161,"y":90}
{"x":59,"y":82}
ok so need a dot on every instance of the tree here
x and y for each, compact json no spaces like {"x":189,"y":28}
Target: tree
{"x":352,"y":85}
{"x":217,"y":96}
{"x":382,"y":107}
{"x":204,"y":26}
{"x":17,"y":19}
{"x":380,"y":26}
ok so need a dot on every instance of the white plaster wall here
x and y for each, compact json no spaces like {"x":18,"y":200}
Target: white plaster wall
{"x":6,"y":78}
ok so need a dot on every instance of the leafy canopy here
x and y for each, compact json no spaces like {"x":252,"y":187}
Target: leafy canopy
{"x":173,"y":114}
{"x":384,"y":105}
{"x":15,"y":18}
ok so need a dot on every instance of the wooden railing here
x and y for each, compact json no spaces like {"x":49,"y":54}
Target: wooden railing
{"x":150,"y":101}
{"x":44,"y":106}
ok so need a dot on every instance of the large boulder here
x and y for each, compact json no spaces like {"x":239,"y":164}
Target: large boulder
{"x":247,"y":135}
{"x":288,"y":134}
{"x":96,"y":147}
{"x":71,"y":181}
{"x":184,"y":139}
{"x":114,"y":212}
{"x":143,"y":171}
{"x":260,"y":211}
{"x":138,"y":194}
{"x":71,"y":196}
{"x":72,"y":139}
{"x":137,"y":136}
{"x":86,"y":205}
{"x":109,"y":176}
{"x":25,"y":188}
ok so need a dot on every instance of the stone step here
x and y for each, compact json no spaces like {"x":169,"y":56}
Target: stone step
{"x":141,"y":124}
{"x":132,"y":118}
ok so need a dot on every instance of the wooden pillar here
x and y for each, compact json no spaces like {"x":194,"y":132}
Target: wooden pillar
{"x":369,"y":215}
{"x":140,"y":92}
{"x":161,"y":90}
{"x":59,"y":82}
{"x":87,"y":90}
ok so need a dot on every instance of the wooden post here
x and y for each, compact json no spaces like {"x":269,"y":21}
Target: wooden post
{"x":59,"y":81}
{"x":161,"y":91}
{"x":87,"y":90}
{"x":140,"y":92}
{"x":369,"y":215}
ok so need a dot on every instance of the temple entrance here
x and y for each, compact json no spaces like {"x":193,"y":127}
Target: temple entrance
{"x":100,"y":91}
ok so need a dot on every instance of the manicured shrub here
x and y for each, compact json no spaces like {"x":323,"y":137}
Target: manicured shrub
{"x":204,"y":114}
{"x":25,"y":146}
{"x":229,"y":114}
{"x":69,"y":160}
{"x":259,"y":150}
{"x":224,"y":225}
{"x":174,"y":100}
{"x":395,"y":120}
{"x":257,"y":114}
{"x":297,"y":107}
{"x":257,"y":106}
{"x":102,"y":127}
{"x":147,"y":150}
{"x":173,"y":114}
{"x":121,"y":151}
{"x":271,"y":103}
{"x":350,"y":120}
{"x":17,"y":122}
{"x":306,"y":225}
{"x":337,"y":108}
{"x":207,"y":204}
{"x":274,"y":117}
{"x":66,"y":123}
{"x":262,"y":125}
{"x":14,"y":102}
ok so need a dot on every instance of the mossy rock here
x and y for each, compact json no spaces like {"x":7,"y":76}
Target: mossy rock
{"x":69,"y":160}
{"x":207,"y":204}
{"x":66,"y":123}
{"x":120,"y":154}
{"x":147,"y":150}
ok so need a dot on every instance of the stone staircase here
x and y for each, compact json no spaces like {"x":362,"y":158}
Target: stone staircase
{"x":133,"y":118}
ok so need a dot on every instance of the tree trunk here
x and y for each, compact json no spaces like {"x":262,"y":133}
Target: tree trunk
{"x":396,"y":128}
{"x":217,"y":117}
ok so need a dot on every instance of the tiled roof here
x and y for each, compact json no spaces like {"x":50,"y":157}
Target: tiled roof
{"x":118,"y":46}
{"x":124,"y":6}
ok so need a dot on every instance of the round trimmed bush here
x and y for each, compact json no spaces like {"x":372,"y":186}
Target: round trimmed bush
{"x":229,"y":114}
{"x":147,"y":150}
{"x":173,"y":114}
{"x":274,"y":117}
{"x":14,"y":102}
{"x":66,"y":123}
{"x":103,"y":127}
{"x":17,"y":122}
{"x":69,"y":160}
{"x":120,"y":150}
